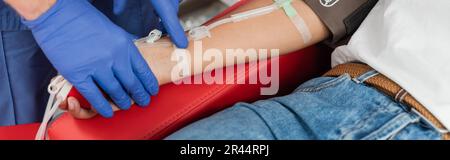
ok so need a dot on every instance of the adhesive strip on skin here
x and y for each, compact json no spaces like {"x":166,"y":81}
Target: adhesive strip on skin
{"x":159,"y":43}
{"x":153,"y":40}
{"x":298,"y":21}
{"x":302,"y":28}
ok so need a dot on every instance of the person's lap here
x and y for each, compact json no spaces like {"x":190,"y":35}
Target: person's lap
{"x":323,"y":108}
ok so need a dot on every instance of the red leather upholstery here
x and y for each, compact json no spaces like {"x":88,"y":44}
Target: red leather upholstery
{"x":178,"y":105}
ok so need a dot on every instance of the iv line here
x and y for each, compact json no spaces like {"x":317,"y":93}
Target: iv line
{"x":201,"y":32}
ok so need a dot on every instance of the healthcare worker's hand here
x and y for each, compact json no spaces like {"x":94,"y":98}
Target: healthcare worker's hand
{"x":167,"y":10}
{"x":88,"y":49}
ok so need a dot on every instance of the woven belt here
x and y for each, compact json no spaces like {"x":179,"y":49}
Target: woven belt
{"x":387,"y":86}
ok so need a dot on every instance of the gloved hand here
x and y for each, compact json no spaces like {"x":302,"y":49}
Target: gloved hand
{"x":88,"y":49}
{"x":167,"y":10}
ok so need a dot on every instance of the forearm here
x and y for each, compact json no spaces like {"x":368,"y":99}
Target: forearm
{"x":30,"y":9}
{"x":272,"y":31}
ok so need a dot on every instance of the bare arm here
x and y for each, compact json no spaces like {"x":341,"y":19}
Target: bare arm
{"x":272,"y":31}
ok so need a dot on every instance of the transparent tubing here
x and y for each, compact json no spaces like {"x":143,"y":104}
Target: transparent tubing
{"x":198,"y":33}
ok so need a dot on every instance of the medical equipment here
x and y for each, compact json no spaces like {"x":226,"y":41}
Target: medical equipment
{"x":154,"y":40}
{"x":167,"y":115}
{"x":202,"y":32}
{"x":59,"y":88}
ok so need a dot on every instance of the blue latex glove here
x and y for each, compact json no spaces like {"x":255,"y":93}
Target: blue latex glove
{"x":88,"y":49}
{"x":167,"y":10}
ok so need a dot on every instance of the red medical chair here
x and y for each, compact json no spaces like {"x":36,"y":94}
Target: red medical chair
{"x":178,"y":105}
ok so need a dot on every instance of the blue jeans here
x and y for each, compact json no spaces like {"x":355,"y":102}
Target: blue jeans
{"x":326,"y":108}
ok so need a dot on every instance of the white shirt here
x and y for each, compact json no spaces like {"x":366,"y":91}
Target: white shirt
{"x":409,"y":42}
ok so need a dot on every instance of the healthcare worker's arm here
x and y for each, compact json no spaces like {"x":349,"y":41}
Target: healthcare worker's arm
{"x":93,"y":53}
